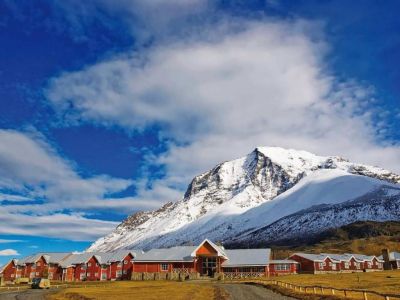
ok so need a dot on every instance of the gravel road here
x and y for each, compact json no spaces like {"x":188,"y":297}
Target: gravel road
{"x":26,"y":294}
{"x":252,"y":292}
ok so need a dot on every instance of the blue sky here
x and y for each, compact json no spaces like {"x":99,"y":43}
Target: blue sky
{"x":111,"y":107}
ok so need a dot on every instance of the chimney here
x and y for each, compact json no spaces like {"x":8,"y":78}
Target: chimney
{"x":385,"y":255}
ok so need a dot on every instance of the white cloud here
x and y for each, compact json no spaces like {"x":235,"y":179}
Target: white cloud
{"x":3,"y":241}
{"x":61,"y":199}
{"x":9,"y":252}
{"x":221,"y":92}
{"x":67,"y":226}
{"x":30,"y":165}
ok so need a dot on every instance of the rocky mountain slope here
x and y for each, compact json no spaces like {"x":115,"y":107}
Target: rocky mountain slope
{"x":241,"y":196}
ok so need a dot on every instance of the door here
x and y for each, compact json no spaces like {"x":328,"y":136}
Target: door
{"x":209,"y":266}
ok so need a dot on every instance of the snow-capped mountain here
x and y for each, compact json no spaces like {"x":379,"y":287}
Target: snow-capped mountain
{"x":246,"y":194}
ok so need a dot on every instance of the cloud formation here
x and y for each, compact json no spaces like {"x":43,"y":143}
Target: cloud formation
{"x":226,"y":89}
{"x":9,"y":252}
{"x":42,"y":193}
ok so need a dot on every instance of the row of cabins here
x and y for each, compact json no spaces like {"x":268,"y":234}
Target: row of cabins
{"x":206,"y":259}
{"x":335,"y":263}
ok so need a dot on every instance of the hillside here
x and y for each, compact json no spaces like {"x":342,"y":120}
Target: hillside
{"x":359,"y":237}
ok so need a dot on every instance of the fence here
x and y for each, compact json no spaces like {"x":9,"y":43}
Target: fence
{"x":331,"y":291}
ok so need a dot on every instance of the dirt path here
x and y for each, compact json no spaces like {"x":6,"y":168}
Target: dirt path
{"x":26,"y":294}
{"x":252,"y":292}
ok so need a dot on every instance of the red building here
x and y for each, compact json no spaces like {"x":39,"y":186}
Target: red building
{"x":116,"y":265}
{"x":208,"y":259}
{"x":45,"y":265}
{"x":8,"y":271}
{"x":332,"y":263}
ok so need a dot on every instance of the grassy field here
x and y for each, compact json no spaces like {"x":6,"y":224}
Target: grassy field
{"x":387,"y":282}
{"x":159,"y":290}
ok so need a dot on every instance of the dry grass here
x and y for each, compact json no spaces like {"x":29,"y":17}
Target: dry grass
{"x":140,"y":290}
{"x":387,"y":282}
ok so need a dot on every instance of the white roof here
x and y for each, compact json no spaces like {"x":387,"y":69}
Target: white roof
{"x":247,"y":257}
{"x":180,"y":253}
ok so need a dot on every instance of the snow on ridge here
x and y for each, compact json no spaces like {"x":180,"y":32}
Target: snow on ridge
{"x":234,"y":192}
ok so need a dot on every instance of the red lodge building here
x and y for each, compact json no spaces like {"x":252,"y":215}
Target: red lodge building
{"x":206,"y":259}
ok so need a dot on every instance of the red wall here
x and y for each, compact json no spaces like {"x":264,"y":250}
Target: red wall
{"x":9,"y":272}
{"x":274,"y":272}
{"x":93,"y":270}
{"x":306,"y":265}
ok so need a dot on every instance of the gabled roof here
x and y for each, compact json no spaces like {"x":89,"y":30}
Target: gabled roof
{"x":247,"y":257}
{"x":338,"y":257}
{"x":101,"y":257}
{"x":362,"y":257}
{"x":9,"y":262}
{"x":220,"y":250}
{"x":180,"y":253}
{"x":76,"y":259}
{"x":49,"y":257}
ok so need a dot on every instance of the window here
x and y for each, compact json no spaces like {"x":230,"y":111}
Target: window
{"x":164,"y":267}
{"x":38,"y":263}
{"x":346,"y":265}
{"x":96,"y":274}
{"x":119,"y":273}
{"x":124,"y":272}
{"x":333,"y":266}
{"x":120,"y":264}
{"x":358,"y":265}
{"x":12,"y":275}
{"x":282,"y":267}
{"x":89,"y":264}
{"x":83,"y":266}
{"x":32,"y":275}
{"x":89,"y":274}
{"x":125,"y":262}
{"x":82,"y":276}
{"x":104,"y":276}
{"x":33,"y":266}
{"x":37,"y":273}
{"x":380,"y":265}
{"x":369,"y":265}
{"x":321,"y":265}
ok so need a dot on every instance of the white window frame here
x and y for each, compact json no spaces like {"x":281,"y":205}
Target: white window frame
{"x":164,"y":267}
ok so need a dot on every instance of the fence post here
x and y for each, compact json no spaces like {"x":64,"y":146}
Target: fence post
{"x":315,"y":290}
{"x":322,"y":290}
{"x":333,"y":292}
{"x":387,"y":298}
{"x":365,"y":295}
{"x":345,"y":293}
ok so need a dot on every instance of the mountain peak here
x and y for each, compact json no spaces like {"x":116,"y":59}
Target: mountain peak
{"x":245,"y":193}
